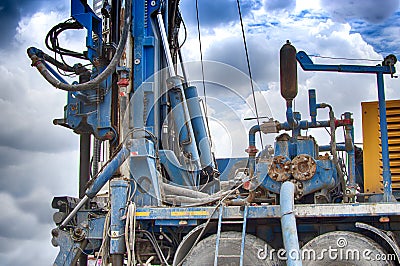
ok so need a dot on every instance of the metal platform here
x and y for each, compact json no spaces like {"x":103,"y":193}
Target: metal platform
{"x":272,"y":211}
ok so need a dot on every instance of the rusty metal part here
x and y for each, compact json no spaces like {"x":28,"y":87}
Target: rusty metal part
{"x":303,"y":167}
{"x":280,"y":168}
{"x":299,"y":189}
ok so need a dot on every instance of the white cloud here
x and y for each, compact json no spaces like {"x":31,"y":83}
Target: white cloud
{"x":39,"y":160}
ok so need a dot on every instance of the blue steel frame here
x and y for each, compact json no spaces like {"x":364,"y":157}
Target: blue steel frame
{"x":307,"y":65}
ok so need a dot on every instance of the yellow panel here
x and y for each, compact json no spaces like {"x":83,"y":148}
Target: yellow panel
{"x":372,"y":148}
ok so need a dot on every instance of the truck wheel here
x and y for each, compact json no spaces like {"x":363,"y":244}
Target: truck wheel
{"x":343,"y":248}
{"x":255,"y":253}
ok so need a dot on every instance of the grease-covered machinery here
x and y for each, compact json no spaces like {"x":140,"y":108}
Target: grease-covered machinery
{"x":168,"y":200}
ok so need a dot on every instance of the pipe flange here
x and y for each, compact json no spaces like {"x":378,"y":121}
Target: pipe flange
{"x":78,"y":234}
{"x":303,"y":167}
{"x":280,"y":168}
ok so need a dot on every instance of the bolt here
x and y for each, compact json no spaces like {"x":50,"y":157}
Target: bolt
{"x":54,"y":232}
{"x":137,"y":61}
{"x":286,"y":167}
{"x":305,"y":159}
{"x":153,"y":3}
{"x":300,"y":186}
{"x":78,"y":231}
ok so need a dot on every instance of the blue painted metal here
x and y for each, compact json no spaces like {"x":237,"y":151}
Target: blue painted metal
{"x":108,"y":171}
{"x":90,"y":111}
{"x":176,"y":172}
{"x":269,"y":211}
{"x":199,"y":128}
{"x":177,"y":223}
{"x":245,"y":212}
{"x":82,"y":12}
{"x":55,"y":73}
{"x":252,"y":135}
{"x":147,"y":63}
{"x":292,"y":122}
{"x":220,"y":214}
{"x":183,"y":125}
{"x":312,"y":102}
{"x":325,"y":178}
{"x":307,"y":64}
{"x":119,"y":196}
{"x":339,"y":147}
{"x":69,"y":249}
{"x":228,"y":166}
{"x":144,"y":173}
{"x":288,"y":221}
{"x":387,"y":178}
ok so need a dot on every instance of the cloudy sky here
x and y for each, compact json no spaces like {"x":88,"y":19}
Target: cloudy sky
{"x":39,"y":160}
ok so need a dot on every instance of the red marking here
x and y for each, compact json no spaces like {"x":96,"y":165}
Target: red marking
{"x":134,"y":153}
{"x":246,"y":185}
{"x":123,"y":82}
{"x":343,"y":122}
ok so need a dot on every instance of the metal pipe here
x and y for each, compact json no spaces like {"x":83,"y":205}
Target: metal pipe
{"x":74,"y":211}
{"x":170,"y":189}
{"x":332,"y":127}
{"x":105,"y":174}
{"x":119,"y":196}
{"x":387,"y":178}
{"x":252,"y":150}
{"x":339,"y":147}
{"x":349,"y":144}
{"x":288,"y":222}
{"x":182,"y":123}
{"x":84,"y":175}
{"x":84,"y":162}
{"x":199,"y":129}
{"x":167,"y":51}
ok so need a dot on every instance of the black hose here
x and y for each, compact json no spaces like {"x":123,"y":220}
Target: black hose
{"x":110,"y":69}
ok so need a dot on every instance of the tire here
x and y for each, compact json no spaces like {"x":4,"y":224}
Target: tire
{"x":347,"y":248}
{"x":203,"y":253}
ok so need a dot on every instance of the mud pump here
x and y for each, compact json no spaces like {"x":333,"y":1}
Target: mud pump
{"x":152,"y":191}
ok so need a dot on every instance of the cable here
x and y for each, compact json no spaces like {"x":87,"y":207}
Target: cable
{"x":344,"y":58}
{"x":249,"y":68}
{"x":110,"y":69}
{"x":201,"y":56}
{"x":207,"y":222}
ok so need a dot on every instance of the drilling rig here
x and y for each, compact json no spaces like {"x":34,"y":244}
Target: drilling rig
{"x":151,"y":191}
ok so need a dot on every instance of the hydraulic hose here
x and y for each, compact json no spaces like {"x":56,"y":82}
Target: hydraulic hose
{"x":110,"y":69}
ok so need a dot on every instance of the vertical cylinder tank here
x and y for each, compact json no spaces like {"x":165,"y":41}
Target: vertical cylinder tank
{"x":288,"y":72}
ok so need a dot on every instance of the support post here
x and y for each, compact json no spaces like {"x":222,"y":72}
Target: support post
{"x":387,"y":178}
{"x":84,"y":169}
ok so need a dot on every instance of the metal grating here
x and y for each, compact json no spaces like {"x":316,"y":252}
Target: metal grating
{"x":372,"y":145}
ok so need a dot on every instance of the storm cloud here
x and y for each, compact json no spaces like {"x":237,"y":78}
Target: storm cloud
{"x":369,"y":10}
{"x":11,"y":13}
